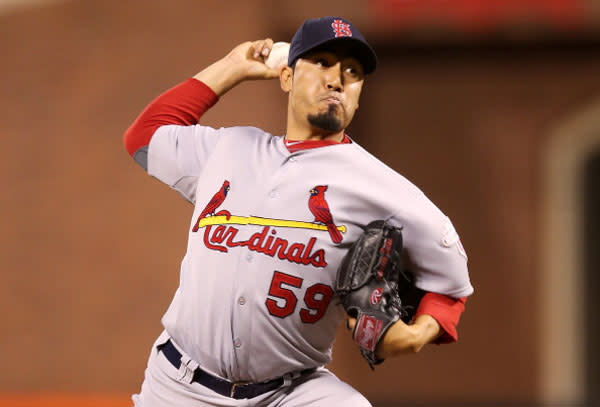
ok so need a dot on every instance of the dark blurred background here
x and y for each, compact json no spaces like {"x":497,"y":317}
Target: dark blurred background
{"x":491,"y":107}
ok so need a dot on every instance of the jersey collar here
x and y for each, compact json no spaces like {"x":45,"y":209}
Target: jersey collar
{"x":298,"y":145}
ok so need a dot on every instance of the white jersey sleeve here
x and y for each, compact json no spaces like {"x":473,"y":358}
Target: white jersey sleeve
{"x":434,"y":250}
{"x":432,"y":247}
{"x":177,"y":154}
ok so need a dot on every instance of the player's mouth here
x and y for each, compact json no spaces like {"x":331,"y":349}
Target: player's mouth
{"x":332,"y":99}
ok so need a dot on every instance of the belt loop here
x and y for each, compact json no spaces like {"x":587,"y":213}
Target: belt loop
{"x":232,"y":390}
{"x":187,"y":369}
{"x":288,"y":378}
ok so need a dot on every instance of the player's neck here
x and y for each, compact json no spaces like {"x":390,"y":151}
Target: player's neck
{"x":297,"y":133}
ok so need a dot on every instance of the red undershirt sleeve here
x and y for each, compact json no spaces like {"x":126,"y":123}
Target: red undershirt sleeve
{"x":446,"y":311}
{"x":183,"y":105}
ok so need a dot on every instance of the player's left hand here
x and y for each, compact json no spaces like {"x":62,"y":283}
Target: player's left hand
{"x":402,"y":338}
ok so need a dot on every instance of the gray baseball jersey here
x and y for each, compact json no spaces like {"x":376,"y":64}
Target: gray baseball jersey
{"x":268,"y":231}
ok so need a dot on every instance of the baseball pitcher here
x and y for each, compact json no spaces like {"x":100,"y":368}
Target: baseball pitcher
{"x":290,"y":236}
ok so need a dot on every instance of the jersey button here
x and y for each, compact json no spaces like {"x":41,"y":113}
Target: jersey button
{"x":241,"y":301}
{"x":292,"y":159}
{"x":249,"y":257}
{"x":237,"y":343}
{"x":273,"y":194}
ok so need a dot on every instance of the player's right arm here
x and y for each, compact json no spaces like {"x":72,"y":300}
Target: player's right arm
{"x":184,"y":104}
{"x":244,"y":62}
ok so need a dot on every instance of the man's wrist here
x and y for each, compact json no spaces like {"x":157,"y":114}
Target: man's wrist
{"x":400,"y":338}
{"x":221,"y":76}
{"x":403,"y":338}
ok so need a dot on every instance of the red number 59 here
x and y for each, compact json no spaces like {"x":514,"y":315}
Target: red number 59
{"x":316,"y":298}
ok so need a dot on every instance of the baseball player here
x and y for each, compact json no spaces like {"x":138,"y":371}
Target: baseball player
{"x":253,"y":320}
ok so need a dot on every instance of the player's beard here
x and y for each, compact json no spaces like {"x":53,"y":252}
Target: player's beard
{"x":327,"y":121}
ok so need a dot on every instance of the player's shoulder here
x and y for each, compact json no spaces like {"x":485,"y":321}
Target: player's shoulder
{"x":373,"y":168}
{"x":246,"y":134}
{"x":395,"y":190}
{"x":244,"y":131}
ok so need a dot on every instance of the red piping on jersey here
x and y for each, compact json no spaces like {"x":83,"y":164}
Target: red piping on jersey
{"x":297,"y":145}
{"x":446,"y":311}
{"x":183,"y":104}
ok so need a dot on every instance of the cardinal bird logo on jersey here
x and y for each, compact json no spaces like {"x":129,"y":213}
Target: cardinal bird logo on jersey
{"x":214,"y":203}
{"x":319,"y":208}
{"x":224,"y":231}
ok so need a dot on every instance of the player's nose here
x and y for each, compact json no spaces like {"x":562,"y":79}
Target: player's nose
{"x":334,"y":78}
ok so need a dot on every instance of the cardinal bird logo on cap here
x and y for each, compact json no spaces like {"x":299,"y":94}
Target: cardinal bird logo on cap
{"x":319,"y":208}
{"x":213,"y":204}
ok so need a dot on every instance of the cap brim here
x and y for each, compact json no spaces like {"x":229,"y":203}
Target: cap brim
{"x":363,"y":51}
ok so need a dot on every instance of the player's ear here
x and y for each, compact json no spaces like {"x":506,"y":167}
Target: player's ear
{"x":286,"y":77}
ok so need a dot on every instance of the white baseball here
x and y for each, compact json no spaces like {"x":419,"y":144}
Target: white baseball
{"x":279,"y":55}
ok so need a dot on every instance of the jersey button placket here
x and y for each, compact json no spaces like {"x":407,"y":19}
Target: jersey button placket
{"x":241,"y":320}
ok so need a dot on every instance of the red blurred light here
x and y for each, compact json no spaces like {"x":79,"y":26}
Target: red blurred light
{"x":480,"y":15}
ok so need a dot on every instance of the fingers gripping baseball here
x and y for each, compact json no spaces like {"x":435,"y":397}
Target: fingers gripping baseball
{"x":250,"y":58}
{"x":259,"y":50}
{"x":245,"y":62}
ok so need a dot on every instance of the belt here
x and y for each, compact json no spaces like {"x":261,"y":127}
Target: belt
{"x":237,"y":390}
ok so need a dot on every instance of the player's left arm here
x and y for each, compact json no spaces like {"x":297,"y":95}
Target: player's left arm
{"x":435,"y":321}
{"x":440,"y":264}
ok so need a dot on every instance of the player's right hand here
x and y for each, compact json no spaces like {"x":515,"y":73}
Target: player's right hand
{"x":244,"y":62}
{"x":249,"y":59}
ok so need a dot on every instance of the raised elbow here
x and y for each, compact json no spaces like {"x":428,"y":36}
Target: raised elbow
{"x":130,"y":141}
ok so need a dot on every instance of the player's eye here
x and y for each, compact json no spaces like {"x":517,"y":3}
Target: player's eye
{"x":353,"y":71}
{"x":322,"y":62}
